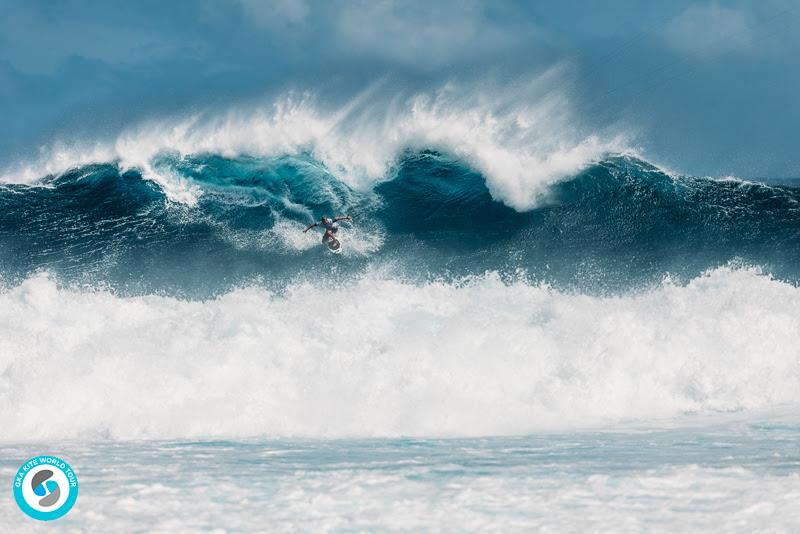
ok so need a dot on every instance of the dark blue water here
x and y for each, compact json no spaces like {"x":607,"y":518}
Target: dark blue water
{"x":621,"y":223}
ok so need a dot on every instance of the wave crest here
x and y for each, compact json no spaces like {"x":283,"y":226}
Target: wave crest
{"x":522,"y":137}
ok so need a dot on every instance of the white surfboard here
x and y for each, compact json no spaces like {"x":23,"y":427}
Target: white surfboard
{"x":334,"y":245}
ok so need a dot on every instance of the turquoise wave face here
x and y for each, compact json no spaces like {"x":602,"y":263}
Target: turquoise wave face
{"x":621,"y":223}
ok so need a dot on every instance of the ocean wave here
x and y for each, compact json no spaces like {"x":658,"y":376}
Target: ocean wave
{"x":380,"y":357}
{"x":618,"y":224}
{"x":521,"y":137}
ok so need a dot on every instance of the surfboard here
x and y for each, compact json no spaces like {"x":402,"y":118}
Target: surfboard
{"x":334,"y":245}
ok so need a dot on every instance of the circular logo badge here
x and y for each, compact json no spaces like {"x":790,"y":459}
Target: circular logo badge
{"x":45,"y":487}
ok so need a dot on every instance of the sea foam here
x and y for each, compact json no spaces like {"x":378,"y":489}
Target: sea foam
{"x":380,"y":357}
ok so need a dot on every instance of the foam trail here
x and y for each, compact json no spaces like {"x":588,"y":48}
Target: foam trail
{"x":522,"y":137}
{"x":383,"y":358}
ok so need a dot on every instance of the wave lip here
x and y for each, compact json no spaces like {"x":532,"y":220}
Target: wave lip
{"x":377,"y":357}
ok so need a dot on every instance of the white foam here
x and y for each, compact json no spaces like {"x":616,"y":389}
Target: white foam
{"x":378,"y":357}
{"x":523,"y":137}
{"x":288,"y":236}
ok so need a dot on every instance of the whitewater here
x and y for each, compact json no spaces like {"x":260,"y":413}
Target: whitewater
{"x":529,"y":319}
{"x":380,"y":358}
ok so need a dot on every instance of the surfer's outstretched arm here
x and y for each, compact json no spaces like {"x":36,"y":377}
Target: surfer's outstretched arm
{"x":343,"y":218}
{"x":309,"y":228}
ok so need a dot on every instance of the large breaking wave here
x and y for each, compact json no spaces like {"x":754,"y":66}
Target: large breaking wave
{"x":503,"y":274}
{"x":522,"y":137}
{"x":618,"y":224}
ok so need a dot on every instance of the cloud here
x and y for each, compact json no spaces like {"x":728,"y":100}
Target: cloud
{"x":275,"y":12}
{"x":35,"y":40}
{"x":425,"y":33}
{"x":707,"y":31}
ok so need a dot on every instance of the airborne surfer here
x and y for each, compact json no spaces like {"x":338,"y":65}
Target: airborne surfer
{"x":329,"y":224}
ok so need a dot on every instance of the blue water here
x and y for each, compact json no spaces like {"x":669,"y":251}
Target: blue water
{"x":622,"y":356}
{"x":619,"y":224}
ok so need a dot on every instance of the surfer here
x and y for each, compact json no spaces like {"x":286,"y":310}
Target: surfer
{"x":329,"y":224}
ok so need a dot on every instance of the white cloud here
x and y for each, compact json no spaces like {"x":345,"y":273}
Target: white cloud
{"x":709,"y":30}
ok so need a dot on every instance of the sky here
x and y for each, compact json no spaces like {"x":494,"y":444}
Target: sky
{"x":702,"y":87}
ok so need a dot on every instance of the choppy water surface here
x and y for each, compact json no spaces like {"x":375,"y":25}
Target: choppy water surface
{"x":700,"y":473}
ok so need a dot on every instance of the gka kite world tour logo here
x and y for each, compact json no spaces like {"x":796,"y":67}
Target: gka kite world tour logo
{"x":45,"y":487}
